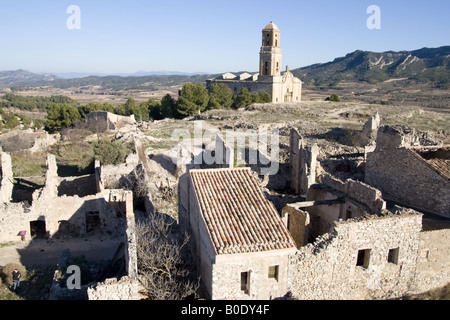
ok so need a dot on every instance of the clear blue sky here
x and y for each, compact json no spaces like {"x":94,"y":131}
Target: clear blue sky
{"x":206,"y":36}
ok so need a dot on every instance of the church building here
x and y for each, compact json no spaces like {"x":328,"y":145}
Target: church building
{"x":281,"y":87}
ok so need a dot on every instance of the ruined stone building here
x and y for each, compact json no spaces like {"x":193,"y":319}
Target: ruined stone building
{"x":73,"y":207}
{"x":103,"y":121}
{"x":281,"y":87}
{"x":409,"y":173}
{"x":352,"y":244}
{"x":344,"y":241}
{"x":30,"y":140}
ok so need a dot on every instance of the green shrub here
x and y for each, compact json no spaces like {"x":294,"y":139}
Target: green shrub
{"x":334,"y":97}
{"x":111,"y":152}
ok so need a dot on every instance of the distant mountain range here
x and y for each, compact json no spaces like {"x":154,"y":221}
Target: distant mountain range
{"x":427,"y":65}
{"x":139,"y":80}
{"x":73,"y":75}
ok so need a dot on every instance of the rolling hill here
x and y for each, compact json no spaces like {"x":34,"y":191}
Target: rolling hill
{"x":21,"y":78}
{"x":424,"y":65}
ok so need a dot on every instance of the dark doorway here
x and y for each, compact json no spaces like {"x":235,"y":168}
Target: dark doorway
{"x":92,"y":221}
{"x":37,"y":229}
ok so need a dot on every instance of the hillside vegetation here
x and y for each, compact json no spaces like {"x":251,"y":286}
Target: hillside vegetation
{"x":424,"y":65}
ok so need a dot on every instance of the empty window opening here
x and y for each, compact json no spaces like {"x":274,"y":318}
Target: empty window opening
{"x":273,"y":272}
{"x":363,"y":258}
{"x":92,"y":221}
{"x":37,"y":229}
{"x":393,"y":256}
{"x":266,"y":68}
{"x":245,"y":282}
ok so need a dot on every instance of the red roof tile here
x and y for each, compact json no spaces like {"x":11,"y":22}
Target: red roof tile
{"x":237,"y":214}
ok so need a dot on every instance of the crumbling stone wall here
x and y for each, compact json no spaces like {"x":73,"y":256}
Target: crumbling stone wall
{"x":101,"y":121}
{"x":6,"y":183}
{"x":328,"y":269}
{"x":303,"y":163}
{"x":405,"y":178}
{"x":126,"y":288}
{"x":112,"y":176}
{"x":334,"y":199}
{"x":224,"y":154}
{"x":111,"y":207}
{"x":369,"y":131}
{"x":297,"y":222}
{"x":30,"y":140}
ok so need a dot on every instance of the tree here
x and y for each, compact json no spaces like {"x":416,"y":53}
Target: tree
{"x":220,"y":96}
{"x":61,"y":116}
{"x":243,"y":99}
{"x":264,"y":97}
{"x":192,"y":98}
{"x":129,"y":106}
{"x":334,"y":97}
{"x":164,"y":268}
{"x":255,"y":97}
{"x":92,"y":107}
{"x":169,"y":107}
{"x":154,"y":109}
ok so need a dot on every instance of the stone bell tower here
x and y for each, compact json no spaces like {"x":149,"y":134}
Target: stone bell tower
{"x":270,"y":54}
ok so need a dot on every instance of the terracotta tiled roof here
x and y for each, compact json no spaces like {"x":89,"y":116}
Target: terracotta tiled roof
{"x":237,"y":214}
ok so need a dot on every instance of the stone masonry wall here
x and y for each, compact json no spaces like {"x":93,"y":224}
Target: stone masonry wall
{"x":112,"y":289}
{"x":433,"y":264}
{"x":328,"y":268}
{"x":403,"y":177}
{"x":227,"y":269}
{"x":125,"y":288}
{"x":303,"y":163}
{"x":6,"y":184}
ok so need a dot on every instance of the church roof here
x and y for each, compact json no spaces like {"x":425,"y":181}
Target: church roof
{"x":237,"y":214}
{"x":245,"y":76}
{"x":271,"y":26}
{"x":227,"y":76}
